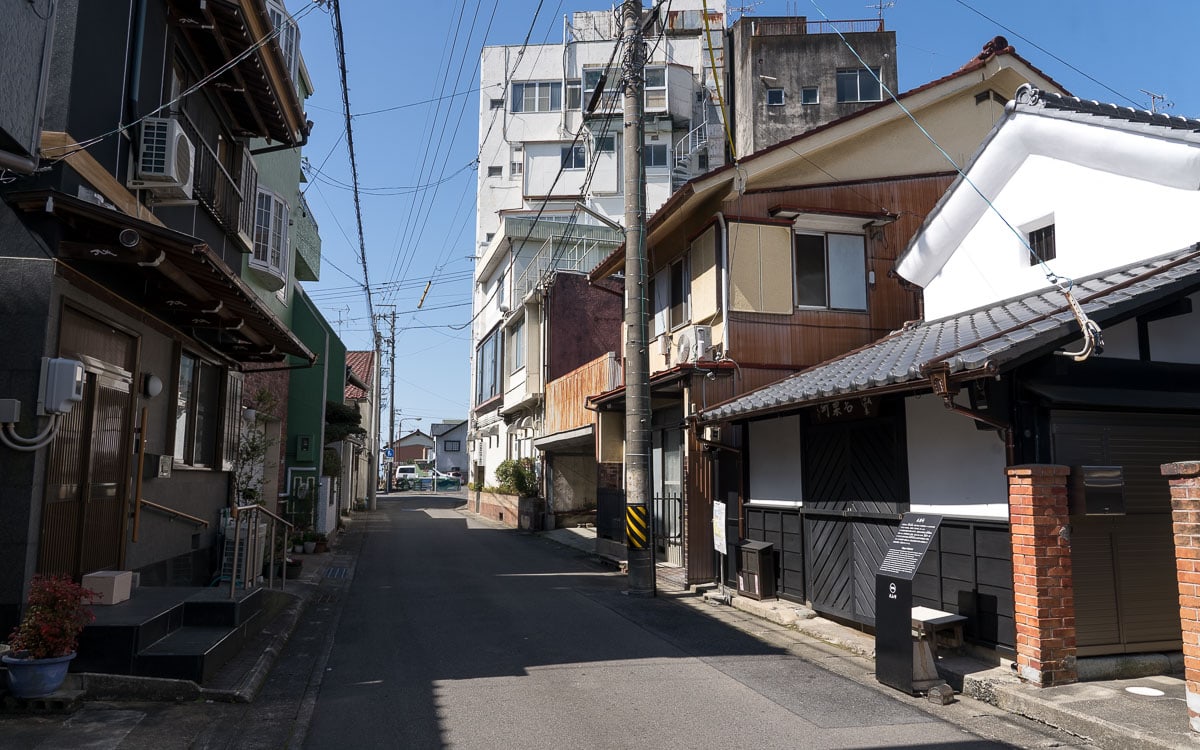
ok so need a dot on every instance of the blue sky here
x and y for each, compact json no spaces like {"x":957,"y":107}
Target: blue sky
{"x":415,"y":158}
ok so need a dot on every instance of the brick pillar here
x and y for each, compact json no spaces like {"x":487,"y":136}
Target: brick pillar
{"x":1184,"y":478}
{"x":1043,"y":585}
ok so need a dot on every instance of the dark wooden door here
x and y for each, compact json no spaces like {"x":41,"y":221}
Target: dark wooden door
{"x":855,"y":488}
{"x":87,"y":478}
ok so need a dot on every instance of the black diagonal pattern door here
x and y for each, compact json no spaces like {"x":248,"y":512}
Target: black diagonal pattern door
{"x":855,"y":488}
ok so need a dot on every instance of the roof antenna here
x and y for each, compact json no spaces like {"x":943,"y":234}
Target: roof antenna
{"x":880,"y":7}
{"x":1155,"y":99}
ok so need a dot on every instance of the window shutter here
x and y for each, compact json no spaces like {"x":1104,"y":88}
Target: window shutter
{"x":231,"y":430}
{"x":760,"y":260}
{"x":705,"y":283}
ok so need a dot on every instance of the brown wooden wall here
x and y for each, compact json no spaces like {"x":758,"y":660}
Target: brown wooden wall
{"x":566,"y":397}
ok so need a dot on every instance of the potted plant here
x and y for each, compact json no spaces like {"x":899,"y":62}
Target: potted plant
{"x":298,"y":544}
{"x":322,"y":543}
{"x":44,"y":642}
{"x":310,"y":542}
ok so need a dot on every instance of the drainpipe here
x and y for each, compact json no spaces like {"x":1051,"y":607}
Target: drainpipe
{"x":135,"y":68}
{"x":1005,"y":430}
{"x":724,"y":239}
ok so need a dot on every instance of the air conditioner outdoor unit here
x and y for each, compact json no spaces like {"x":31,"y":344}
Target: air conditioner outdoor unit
{"x":693,"y":343}
{"x":165,"y":159}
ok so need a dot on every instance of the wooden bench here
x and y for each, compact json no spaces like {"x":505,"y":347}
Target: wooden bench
{"x":929,"y":623}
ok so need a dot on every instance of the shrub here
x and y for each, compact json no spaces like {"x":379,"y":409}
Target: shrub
{"x":517,"y":477}
{"x":55,"y":615}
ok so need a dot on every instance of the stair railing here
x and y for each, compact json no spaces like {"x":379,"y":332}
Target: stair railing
{"x":253,"y":515}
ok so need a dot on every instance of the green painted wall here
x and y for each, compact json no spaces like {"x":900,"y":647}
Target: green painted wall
{"x":311,"y":387}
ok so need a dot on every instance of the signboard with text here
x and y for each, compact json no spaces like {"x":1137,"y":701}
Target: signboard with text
{"x":893,"y":599}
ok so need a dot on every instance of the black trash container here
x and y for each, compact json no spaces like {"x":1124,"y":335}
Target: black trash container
{"x":756,"y":569}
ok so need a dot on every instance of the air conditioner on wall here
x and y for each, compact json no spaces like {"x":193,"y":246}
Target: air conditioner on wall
{"x":165,"y":159}
{"x":693,"y":343}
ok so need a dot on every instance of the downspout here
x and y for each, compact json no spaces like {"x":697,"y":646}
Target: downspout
{"x":723,"y":237}
{"x":135,"y":68}
{"x":1005,"y":430}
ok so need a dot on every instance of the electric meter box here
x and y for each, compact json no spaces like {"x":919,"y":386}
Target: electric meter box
{"x":62,"y":385}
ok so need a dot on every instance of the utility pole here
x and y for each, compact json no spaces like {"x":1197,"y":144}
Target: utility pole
{"x":391,"y":394}
{"x":639,"y":536}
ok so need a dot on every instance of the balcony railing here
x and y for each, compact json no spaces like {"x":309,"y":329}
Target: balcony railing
{"x":578,"y":249}
{"x":801,"y":25}
{"x":212,"y":184}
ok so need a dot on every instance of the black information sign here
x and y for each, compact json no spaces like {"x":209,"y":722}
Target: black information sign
{"x":909,"y":546}
{"x":893,"y":599}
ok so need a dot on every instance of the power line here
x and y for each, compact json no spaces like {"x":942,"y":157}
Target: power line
{"x":1051,"y":54}
{"x":362,"y":243}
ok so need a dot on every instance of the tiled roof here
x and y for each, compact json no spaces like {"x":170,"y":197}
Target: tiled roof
{"x":1059,"y":102}
{"x":362,"y":364}
{"x":975,"y":340}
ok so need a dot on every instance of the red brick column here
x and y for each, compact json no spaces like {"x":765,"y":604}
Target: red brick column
{"x":1043,"y":584}
{"x":1184,"y":478}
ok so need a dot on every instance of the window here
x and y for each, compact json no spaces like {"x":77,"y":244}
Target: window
{"x":774,"y":97}
{"x":515,"y":169}
{"x":271,"y":234}
{"x":679,"y":294}
{"x":655,"y":155}
{"x":288,"y":39}
{"x":605,"y":144}
{"x":861,"y":85}
{"x":574,"y":157}
{"x":1041,"y":242}
{"x":495,"y":171}
{"x":810,"y":95}
{"x":574,"y":94}
{"x":831,"y":271}
{"x":495,"y":103}
{"x":197,"y":411}
{"x":488,"y":237}
{"x":656,"y":88}
{"x":537,"y":97}
{"x":516,"y":347}
{"x":487,"y":370}
{"x":452,"y":446}
{"x":609,"y":98}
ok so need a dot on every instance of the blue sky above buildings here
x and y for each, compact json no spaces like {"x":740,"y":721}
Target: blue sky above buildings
{"x":413,"y":78}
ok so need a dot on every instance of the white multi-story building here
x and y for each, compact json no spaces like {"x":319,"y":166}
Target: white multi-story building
{"x":550,"y":195}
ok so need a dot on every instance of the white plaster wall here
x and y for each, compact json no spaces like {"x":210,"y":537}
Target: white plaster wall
{"x":953,"y":468}
{"x":1101,"y":221}
{"x":775,"y":475}
{"x":1174,"y":339}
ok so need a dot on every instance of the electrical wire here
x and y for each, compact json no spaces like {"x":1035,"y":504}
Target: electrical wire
{"x":236,"y":60}
{"x":1091,"y":331}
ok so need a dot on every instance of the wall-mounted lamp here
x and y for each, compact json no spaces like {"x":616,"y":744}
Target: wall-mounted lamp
{"x":152,"y":385}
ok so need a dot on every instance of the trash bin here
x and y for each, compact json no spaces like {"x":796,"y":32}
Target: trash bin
{"x":756,"y":569}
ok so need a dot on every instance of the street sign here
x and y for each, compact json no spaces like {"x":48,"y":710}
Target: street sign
{"x":389,"y":453}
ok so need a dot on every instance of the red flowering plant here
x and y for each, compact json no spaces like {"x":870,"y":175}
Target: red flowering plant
{"x":57,"y":612}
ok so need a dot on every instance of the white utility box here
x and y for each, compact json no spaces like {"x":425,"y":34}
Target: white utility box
{"x":113,"y":586}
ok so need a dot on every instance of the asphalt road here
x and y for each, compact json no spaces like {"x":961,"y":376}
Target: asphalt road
{"x":456,"y":633}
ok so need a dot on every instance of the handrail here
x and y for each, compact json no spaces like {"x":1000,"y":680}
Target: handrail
{"x":261,"y":509}
{"x":172,"y":511}
{"x":252,"y":550}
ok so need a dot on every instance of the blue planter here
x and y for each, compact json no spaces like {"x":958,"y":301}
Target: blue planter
{"x":35,"y":678}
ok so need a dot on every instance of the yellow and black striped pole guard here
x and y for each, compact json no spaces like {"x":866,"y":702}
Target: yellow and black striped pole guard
{"x":637,"y":527}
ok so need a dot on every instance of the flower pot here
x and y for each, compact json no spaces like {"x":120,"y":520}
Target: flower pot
{"x":297,"y":548}
{"x":35,"y":678}
{"x":309,"y":547}
{"x":322,"y":547}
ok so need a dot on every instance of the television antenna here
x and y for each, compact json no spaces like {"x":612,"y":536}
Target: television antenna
{"x":743,"y":9}
{"x":880,"y":7}
{"x":1155,"y":99}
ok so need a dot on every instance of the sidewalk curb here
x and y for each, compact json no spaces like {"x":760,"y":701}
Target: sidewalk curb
{"x":1006,"y":692}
